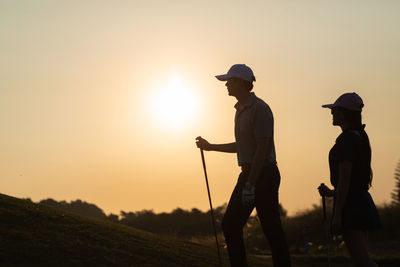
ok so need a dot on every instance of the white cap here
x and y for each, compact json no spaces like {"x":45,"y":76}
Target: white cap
{"x":240,"y":71}
{"x":350,"y":101}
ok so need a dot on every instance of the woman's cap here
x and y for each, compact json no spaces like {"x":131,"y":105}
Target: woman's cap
{"x":350,"y":101}
{"x":240,"y":71}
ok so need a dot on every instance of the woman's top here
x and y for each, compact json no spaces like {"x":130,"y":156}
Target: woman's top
{"x":359,"y":211}
{"x":353,"y":146}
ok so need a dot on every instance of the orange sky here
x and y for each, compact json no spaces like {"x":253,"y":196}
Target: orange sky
{"x":80,"y":82}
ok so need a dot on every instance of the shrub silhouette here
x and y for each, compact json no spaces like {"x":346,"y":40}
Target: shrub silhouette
{"x":396,"y":191}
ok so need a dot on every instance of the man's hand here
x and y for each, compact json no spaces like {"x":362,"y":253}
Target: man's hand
{"x":248,"y":195}
{"x":202,"y":143}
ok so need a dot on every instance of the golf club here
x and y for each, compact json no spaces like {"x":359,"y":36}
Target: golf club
{"x":326,"y":228}
{"x":211,"y":208}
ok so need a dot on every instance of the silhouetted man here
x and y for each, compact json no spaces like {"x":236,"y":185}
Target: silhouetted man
{"x":259,"y":180}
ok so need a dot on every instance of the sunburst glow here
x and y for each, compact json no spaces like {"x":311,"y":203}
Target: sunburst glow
{"x":175,"y":104}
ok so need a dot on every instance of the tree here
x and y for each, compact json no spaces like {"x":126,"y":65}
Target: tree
{"x":78,"y":207}
{"x":396,"y":191}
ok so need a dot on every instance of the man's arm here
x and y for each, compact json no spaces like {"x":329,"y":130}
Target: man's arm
{"x":263,"y":145}
{"x":248,"y":192}
{"x":228,"y":148}
{"x":205,"y":145}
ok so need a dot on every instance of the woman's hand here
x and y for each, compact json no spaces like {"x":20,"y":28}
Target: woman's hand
{"x":324,"y":191}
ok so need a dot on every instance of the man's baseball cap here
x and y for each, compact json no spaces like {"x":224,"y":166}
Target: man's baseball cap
{"x":350,"y":101}
{"x":240,"y":71}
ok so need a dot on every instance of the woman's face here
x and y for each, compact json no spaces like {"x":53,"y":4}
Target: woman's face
{"x":337,"y":116}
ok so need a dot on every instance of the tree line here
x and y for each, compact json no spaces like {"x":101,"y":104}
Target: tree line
{"x":304,"y":231}
{"x":179,"y":222}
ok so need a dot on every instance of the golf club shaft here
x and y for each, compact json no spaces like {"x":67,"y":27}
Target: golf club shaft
{"x":323,"y":204}
{"x":326,"y":230}
{"x":211,"y":208}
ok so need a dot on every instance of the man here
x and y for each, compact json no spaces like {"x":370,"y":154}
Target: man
{"x":259,"y":180}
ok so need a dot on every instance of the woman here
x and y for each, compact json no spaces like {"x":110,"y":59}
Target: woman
{"x":354,"y":211}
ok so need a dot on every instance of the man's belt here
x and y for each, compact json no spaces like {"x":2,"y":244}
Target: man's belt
{"x":246,"y":167}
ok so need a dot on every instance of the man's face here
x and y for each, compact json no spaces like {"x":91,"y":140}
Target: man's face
{"x":233,"y":85}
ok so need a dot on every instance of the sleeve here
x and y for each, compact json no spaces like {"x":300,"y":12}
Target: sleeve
{"x":263,"y":122}
{"x":346,"y":147}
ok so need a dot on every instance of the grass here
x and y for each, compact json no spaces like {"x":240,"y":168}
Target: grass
{"x":37,"y":235}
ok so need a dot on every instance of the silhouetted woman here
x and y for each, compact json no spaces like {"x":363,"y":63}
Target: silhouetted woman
{"x":354,"y":212}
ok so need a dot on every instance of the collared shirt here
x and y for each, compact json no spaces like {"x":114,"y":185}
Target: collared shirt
{"x":253,"y":119}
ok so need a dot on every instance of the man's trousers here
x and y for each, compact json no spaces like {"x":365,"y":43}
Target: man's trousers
{"x":267,"y":206}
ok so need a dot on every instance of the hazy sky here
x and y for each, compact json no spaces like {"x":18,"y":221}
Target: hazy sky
{"x":102,"y":100}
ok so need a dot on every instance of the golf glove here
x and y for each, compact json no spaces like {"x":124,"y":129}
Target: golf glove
{"x":248,"y":195}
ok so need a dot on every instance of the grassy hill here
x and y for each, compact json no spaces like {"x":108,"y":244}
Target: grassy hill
{"x":37,"y":235}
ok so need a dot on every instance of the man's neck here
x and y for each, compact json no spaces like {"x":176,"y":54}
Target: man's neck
{"x":346,"y":126}
{"x":242,"y":97}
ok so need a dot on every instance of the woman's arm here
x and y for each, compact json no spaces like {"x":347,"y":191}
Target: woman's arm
{"x":342,"y":191}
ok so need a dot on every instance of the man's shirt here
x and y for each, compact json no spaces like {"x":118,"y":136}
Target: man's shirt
{"x":253,"y":119}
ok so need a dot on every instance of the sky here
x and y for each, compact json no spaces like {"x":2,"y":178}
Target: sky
{"x":102,"y":100}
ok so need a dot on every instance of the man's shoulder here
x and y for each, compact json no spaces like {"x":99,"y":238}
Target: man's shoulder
{"x":261,"y":109}
{"x":260,"y":103}
{"x":349,"y":137}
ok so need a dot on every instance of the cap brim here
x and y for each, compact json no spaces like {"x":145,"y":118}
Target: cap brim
{"x":223,"y":77}
{"x":328,"y":106}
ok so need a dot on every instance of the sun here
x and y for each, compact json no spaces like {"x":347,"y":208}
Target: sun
{"x":174,"y":104}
